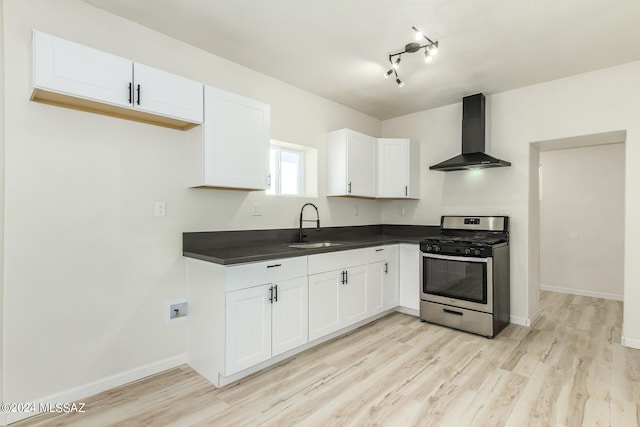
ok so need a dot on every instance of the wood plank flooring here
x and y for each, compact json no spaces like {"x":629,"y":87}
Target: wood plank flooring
{"x":567,"y":370}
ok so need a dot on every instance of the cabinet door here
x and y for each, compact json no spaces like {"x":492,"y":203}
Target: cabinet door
{"x":376,"y":287}
{"x":393,"y":167}
{"x":391,"y":278}
{"x":248,"y":328}
{"x":354,"y":296}
{"x":324,"y":307}
{"x":159,"y":92}
{"x":361,"y":165}
{"x":289,"y":317}
{"x":410,"y":276}
{"x":72,"y":69}
{"x":236,"y":141}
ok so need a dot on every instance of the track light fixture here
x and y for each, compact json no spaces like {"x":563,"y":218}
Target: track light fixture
{"x":430,"y":50}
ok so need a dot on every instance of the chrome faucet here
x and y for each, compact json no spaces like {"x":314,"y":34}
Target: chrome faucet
{"x":301,"y":234}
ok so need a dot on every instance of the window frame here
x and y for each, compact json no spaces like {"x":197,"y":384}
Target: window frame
{"x":275,"y":187}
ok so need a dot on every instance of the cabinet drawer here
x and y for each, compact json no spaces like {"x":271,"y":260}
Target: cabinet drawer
{"x":377,"y":254}
{"x":336,"y":260}
{"x":259,"y":273}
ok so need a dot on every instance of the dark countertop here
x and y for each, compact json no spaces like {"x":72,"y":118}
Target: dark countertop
{"x":235,"y":247}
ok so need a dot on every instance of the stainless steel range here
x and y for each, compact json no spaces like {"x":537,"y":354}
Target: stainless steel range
{"x":464,"y":274}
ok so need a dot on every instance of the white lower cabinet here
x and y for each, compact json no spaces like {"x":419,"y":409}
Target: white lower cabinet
{"x":354,"y":292}
{"x":409,"y":262}
{"x":383,"y":279}
{"x":242,"y":316}
{"x":264,"y":321}
{"x":324,"y":304}
{"x":392,"y":278}
{"x":376,"y":287}
{"x":337,"y":299}
{"x":248,"y":328}
{"x":289,"y":317}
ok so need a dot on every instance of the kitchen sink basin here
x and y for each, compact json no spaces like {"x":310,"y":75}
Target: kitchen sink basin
{"x":313,"y":245}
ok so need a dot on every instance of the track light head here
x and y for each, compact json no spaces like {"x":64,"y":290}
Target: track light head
{"x":427,"y":56}
{"x":388,"y":73}
{"x":396,"y":64}
{"x":433,"y":48}
{"x":400,"y":83}
{"x":418,"y":34}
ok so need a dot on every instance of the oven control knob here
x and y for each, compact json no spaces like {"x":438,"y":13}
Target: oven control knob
{"x":467,"y":251}
{"x":477,"y":252}
{"x":436,"y":248}
{"x":429,"y":248}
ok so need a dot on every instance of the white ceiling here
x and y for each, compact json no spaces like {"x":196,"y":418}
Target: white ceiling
{"x":339,"y":48}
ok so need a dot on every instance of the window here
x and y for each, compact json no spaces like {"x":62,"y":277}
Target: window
{"x":286,"y":171}
{"x":293,"y":170}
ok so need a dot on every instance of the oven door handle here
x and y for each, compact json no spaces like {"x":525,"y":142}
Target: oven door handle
{"x":454,"y":258}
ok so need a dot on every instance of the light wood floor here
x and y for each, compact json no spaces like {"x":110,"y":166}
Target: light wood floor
{"x":568,"y":370}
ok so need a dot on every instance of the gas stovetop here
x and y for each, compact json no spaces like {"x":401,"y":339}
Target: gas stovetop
{"x":468,"y":236}
{"x":466,"y":240}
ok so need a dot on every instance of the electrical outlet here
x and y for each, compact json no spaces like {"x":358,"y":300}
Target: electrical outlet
{"x":355,"y":210}
{"x":505,"y":211}
{"x":256,"y":209}
{"x":177,"y":311}
{"x":401,"y":210}
{"x":160,"y":209}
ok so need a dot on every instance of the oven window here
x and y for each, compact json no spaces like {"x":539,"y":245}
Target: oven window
{"x":455,"y":279}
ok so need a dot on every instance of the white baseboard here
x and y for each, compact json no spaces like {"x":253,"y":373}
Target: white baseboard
{"x":409,"y":311}
{"x":534,"y":317}
{"x":582,"y":292}
{"x":82,"y":392}
{"x":523,"y":321}
{"x":631,"y":342}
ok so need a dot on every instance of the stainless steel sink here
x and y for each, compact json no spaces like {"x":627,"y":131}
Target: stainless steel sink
{"x":313,"y":245}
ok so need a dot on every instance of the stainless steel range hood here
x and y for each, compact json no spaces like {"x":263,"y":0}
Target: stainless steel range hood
{"x":473,"y":140}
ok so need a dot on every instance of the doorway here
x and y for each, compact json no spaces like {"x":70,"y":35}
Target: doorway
{"x":576,"y":207}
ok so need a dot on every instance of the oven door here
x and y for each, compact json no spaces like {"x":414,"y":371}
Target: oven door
{"x":463,"y":282}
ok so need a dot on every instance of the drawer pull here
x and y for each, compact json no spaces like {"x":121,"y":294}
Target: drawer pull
{"x":457,"y":313}
{"x":274,"y":265}
{"x":380,"y":250}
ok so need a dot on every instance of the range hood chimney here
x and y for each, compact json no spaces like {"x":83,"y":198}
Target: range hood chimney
{"x":473,"y":140}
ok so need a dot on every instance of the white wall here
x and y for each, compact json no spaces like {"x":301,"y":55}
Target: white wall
{"x":88,"y":268}
{"x":1,"y":202}
{"x":600,"y":101}
{"x":582,"y":220}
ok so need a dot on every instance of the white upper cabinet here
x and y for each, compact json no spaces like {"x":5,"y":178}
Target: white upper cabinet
{"x":159,"y":92}
{"x":71,"y":75}
{"x":351,"y":164}
{"x":73,"y":69}
{"x":398,"y":168}
{"x":233,"y":150}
